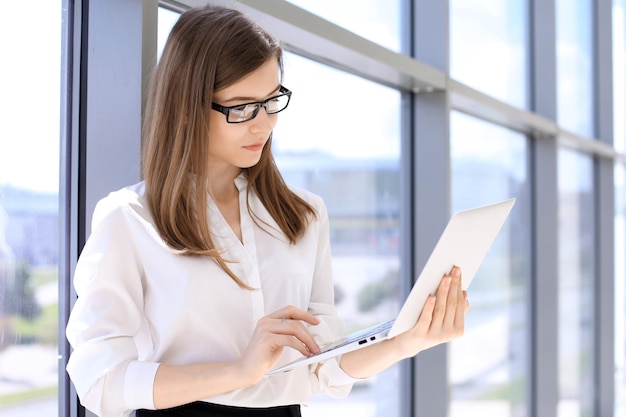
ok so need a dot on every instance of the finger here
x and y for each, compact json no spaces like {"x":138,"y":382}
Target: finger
{"x":454,"y":270}
{"x":295,"y":329}
{"x":283,"y":340}
{"x":461,"y":308}
{"x":466,"y":303}
{"x":426,"y":317}
{"x":294,"y":313}
{"x":440,"y":303}
{"x":452,"y":301}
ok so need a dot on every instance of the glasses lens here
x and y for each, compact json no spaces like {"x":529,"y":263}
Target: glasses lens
{"x":277,"y":104}
{"x":242,"y":113}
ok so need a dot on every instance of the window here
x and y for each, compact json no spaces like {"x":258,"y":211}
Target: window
{"x":29,"y":207}
{"x":166,"y":20}
{"x":619,"y":74}
{"x":619,"y":135}
{"x":575,"y":99}
{"x":353,"y":144}
{"x":620,"y":290}
{"x":488,"y":365}
{"x":329,"y":143}
{"x":576,"y":294}
{"x":374,"y":20}
{"x":488,"y":48}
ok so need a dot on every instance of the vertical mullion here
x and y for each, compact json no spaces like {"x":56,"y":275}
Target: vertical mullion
{"x":431,"y":159}
{"x":407,"y":375}
{"x":432,"y":208}
{"x":605,"y":212}
{"x":105,"y":140}
{"x":544,"y":308}
{"x":68,"y":219}
{"x":114,"y":96}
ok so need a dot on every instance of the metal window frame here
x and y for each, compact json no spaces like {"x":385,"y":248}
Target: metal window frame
{"x":105,"y":69}
{"x":542,"y":396}
{"x":109,"y":50}
{"x":68,"y":215}
{"x":604,"y":171}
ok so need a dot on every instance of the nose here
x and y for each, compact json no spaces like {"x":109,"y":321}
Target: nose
{"x":263,"y":122}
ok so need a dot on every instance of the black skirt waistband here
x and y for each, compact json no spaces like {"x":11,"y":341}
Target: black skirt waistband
{"x":204,"y":409}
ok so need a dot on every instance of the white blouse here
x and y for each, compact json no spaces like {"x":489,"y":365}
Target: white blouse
{"x":139,"y":304}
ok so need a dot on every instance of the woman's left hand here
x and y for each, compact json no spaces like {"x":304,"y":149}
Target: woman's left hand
{"x":442,"y":318}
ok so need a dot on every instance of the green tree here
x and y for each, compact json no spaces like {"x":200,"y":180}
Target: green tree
{"x":373,"y":294}
{"x":19,"y":295}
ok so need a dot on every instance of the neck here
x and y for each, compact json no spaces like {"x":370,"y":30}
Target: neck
{"x":221,"y":184}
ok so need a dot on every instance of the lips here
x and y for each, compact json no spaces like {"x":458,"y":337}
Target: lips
{"x":256,"y":147}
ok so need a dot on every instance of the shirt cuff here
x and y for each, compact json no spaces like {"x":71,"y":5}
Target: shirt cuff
{"x":333,"y":380}
{"x":139,"y":385}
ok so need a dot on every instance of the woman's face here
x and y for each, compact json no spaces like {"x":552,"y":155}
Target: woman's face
{"x":239,"y":145}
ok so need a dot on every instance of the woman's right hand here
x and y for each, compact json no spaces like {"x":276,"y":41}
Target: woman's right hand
{"x":282,"y":328}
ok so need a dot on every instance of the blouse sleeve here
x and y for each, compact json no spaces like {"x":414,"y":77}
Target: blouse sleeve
{"x":330,"y":378}
{"x":109,"y":379}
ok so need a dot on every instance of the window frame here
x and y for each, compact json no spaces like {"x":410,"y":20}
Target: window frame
{"x":95,"y":127}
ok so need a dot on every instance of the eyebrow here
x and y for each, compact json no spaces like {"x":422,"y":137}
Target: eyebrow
{"x":250,"y":99}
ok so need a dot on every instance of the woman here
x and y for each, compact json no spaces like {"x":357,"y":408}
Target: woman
{"x":194,"y":281}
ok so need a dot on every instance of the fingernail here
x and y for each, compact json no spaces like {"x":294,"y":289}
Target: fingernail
{"x":447,"y":281}
{"x":457,"y":272}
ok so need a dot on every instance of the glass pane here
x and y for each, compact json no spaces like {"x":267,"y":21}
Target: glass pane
{"x":29,"y":182}
{"x":166,"y":20}
{"x":574,"y":54}
{"x":488,"y":48}
{"x":620,"y":291}
{"x":330,"y":152}
{"x":488,"y":365}
{"x":375,"y":20}
{"x":619,"y":73}
{"x":576,"y":268}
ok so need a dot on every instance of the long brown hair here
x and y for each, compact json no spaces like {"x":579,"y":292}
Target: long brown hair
{"x":208,"y":49}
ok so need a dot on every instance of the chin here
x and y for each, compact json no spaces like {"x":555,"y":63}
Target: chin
{"x":249,"y":164}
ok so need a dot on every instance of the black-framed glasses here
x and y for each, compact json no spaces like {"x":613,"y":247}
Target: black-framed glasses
{"x":248,"y":111}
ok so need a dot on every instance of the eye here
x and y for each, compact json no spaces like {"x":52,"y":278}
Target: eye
{"x":276,"y":104}
{"x":273,"y":104}
{"x":245,"y":110}
{"x":240,"y":111}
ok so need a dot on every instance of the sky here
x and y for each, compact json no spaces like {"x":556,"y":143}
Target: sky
{"x":30,"y":98}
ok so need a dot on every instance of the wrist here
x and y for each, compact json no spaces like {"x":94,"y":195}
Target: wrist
{"x":243,"y":374}
{"x":397,"y":348}
{"x":404,"y":347}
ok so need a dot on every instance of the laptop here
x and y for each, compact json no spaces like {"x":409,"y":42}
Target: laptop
{"x":464,"y":242}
